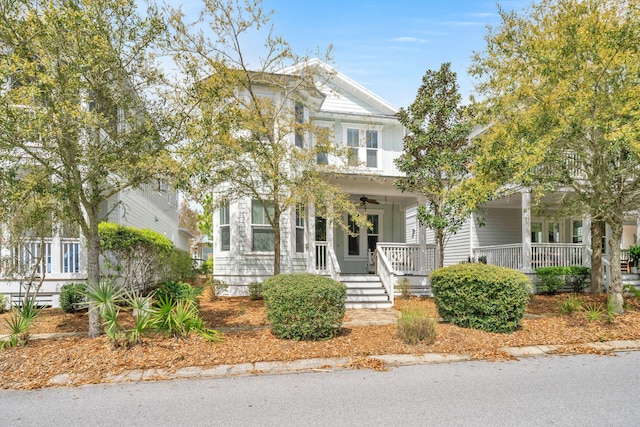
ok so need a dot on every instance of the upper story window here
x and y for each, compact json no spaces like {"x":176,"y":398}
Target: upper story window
{"x":363,"y":147}
{"x":225,"y":228}
{"x":353,"y":142}
{"x":372,"y":148}
{"x":322,"y":132}
{"x":262,"y":236}
{"x":299,"y":116}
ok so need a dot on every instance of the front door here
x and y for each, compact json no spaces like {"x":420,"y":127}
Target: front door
{"x":361,"y":242}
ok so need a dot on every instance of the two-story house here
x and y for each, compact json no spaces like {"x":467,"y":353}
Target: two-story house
{"x":369,"y":260}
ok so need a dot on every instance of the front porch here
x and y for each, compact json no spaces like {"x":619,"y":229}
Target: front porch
{"x":520,"y":234}
{"x":391,"y":262}
{"x":54,"y":261}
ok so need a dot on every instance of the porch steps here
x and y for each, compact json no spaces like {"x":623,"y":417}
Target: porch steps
{"x":631,"y":279}
{"x":365,"y":291}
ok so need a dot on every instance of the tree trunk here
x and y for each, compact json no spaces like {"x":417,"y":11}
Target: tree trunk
{"x":596,"y":257}
{"x":440,"y":240}
{"x":615,"y":289}
{"x":93,"y":274}
{"x":276,"y":242}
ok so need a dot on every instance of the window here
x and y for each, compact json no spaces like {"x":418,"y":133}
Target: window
{"x":373,"y":233}
{"x":554,"y":232}
{"x":299,"y":134}
{"x":262,"y":236}
{"x":577,"y":232}
{"x":353,"y":141}
{"x":70,"y":257}
{"x":365,"y":154}
{"x":353,"y":239}
{"x":321,"y":229}
{"x":225,"y":228}
{"x":299,"y":230}
{"x":372,"y":148}
{"x":321,"y":138}
{"x":536,"y":232}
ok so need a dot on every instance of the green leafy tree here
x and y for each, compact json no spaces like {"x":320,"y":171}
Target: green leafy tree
{"x":29,"y":219}
{"x":560,"y":88}
{"x":248,"y":137}
{"x":77,"y":104}
{"x":437,"y":153}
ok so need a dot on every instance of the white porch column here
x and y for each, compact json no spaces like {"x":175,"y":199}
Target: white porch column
{"x":526,"y":230}
{"x":310,"y":231}
{"x":637,"y":231}
{"x":586,"y":240}
{"x":330,"y":233}
{"x":56,"y":254}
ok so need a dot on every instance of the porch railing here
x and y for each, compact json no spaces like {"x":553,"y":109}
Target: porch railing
{"x":407,"y":258}
{"x":52,"y":256}
{"x":556,"y":254}
{"x":321,"y":257}
{"x":326,"y":260}
{"x":509,"y":256}
{"x":542,"y":255}
{"x":384,"y":270}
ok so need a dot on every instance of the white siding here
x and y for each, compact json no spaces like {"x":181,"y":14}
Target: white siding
{"x":458,"y":247}
{"x":341,"y":99}
{"x":500,"y":226}
{"x":412,"y":225}
{"x":148,"y":208}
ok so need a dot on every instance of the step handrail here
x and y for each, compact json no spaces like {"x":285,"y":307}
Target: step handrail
{"x":385,"y":273}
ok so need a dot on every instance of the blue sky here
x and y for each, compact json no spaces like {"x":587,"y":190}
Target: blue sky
{"x":387,"y":46}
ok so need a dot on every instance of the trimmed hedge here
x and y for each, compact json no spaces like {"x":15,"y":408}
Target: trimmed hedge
{"x":302,"y":306}
{"x":550,"y":279}
{"x":481,"y":296}
{"x":72,"y":297}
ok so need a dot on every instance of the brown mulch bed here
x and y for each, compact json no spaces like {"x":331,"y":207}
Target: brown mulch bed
{"x":87,"y":360}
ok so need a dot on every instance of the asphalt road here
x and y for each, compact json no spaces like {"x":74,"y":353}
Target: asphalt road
{"x":558,"y":391}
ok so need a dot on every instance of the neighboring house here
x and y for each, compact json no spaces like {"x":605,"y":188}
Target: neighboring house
{"x":370,"y":262}
{"x":520,"y":232}
{"x":63,"y":259}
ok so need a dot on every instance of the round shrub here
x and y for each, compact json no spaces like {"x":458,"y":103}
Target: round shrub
{"x":72,"y":297}
{"x":178,"y":291}
{"x":481,"y":296}
{"x":304,"y":306}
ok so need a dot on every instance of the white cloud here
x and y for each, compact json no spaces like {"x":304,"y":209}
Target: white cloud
{"x":409,"y":40}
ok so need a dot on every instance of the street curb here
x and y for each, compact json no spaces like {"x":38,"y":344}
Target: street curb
{"x":328,"y":364}
{"x":544,"y":350}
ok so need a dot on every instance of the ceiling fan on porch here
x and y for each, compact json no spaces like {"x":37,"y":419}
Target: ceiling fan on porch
{"x":364,"y":200}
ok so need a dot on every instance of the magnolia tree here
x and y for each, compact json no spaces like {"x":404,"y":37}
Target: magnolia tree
{"x":437,"y":154}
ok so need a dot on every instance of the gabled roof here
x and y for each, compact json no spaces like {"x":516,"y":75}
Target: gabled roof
{"x":347,"y":88}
